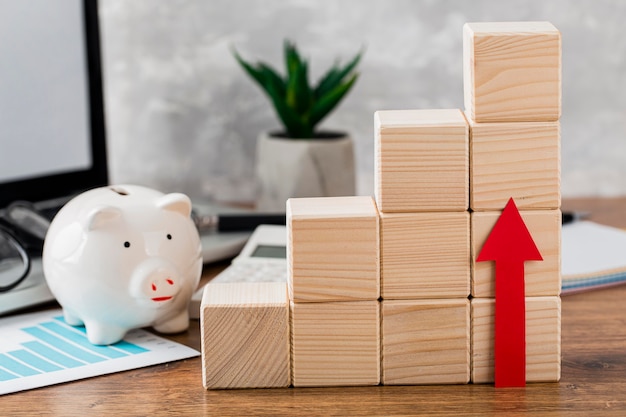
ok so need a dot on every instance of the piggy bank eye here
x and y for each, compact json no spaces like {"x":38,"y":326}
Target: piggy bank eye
{"x":169,"y":237}
{"x":127,"y":244}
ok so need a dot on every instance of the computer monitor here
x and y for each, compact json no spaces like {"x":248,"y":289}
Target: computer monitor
{"x":52,"y":135}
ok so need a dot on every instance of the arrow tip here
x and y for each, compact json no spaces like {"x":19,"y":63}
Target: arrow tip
{"x":509,"y":239}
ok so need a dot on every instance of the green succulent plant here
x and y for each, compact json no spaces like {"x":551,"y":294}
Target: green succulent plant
{"x":299,"y":105}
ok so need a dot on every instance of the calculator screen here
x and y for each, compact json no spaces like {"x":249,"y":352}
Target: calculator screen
{"x":268,"y":251}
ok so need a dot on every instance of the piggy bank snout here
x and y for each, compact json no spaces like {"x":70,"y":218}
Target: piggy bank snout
{"x":155,"y":281}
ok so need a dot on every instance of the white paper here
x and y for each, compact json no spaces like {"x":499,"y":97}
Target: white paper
{"x":592,"y":255}
{"x":588,"y":248}
{"x":40,"y":349}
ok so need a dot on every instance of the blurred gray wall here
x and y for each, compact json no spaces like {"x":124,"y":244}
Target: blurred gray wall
{"x":181,"y":115}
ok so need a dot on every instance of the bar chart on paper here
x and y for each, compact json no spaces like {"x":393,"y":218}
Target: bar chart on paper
{"x":41,"y":349}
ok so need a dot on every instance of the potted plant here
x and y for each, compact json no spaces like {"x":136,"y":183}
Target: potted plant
{"x":300,"y":160}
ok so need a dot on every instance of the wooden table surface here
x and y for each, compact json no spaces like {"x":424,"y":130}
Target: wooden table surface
{"x":593,"y":375}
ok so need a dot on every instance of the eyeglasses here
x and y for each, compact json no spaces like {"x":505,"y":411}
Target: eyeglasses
{"x":14,"y":261}
{"x":22,"y":230}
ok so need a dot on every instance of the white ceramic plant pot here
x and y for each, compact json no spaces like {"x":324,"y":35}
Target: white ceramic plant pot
{"x":303,"y":168}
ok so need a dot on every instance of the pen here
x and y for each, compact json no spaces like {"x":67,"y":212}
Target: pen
{"x":573,"y":216}
{"x":236,"y":221}
{"x":22,"y":215}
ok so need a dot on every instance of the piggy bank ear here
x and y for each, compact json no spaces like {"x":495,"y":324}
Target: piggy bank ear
{"x":102,"y":216}
{"x":175,"y":202}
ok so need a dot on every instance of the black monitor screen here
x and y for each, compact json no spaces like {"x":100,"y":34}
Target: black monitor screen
{"x":51,"y":107}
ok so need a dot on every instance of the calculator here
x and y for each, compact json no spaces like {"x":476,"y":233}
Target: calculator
{"x":262,"y":259}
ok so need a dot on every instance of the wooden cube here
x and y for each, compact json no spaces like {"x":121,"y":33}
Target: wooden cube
{"x":425,"y":255}
{"x":512,"y":71}
{"x":542,"y":278}
{"x":425,"y":342}
{"x":543,"y":339}
{"x":422,"y":160}
{"x":335,"y":344}
{"x":333,"y":249}
{"x":245,"y":335}
{"x":520,"y":160}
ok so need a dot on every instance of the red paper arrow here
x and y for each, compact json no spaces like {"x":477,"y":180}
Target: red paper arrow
{"x":509,"y":245}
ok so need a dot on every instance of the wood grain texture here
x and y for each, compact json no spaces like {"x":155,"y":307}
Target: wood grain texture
{"x":543,"y":339}
{"x":512,"y":71}
{"x":425,"y":255}
{"x":425,"y":342}
{"x":542,"y":278}
{"x":422,"y":160}
{"x":520,"y":160}
{"x":245,"y":335}
{"x":335,"y":344}
{"x":332,"y":249}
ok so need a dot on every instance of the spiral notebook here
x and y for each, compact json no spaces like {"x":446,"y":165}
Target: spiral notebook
{"x":592,"y":256}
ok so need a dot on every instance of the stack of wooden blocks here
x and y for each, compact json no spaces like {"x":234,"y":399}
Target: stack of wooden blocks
{"x":512,"y":78}
{"x":388,"y":290}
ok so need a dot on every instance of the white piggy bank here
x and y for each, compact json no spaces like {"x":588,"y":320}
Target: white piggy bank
{"x":122,"y":257}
